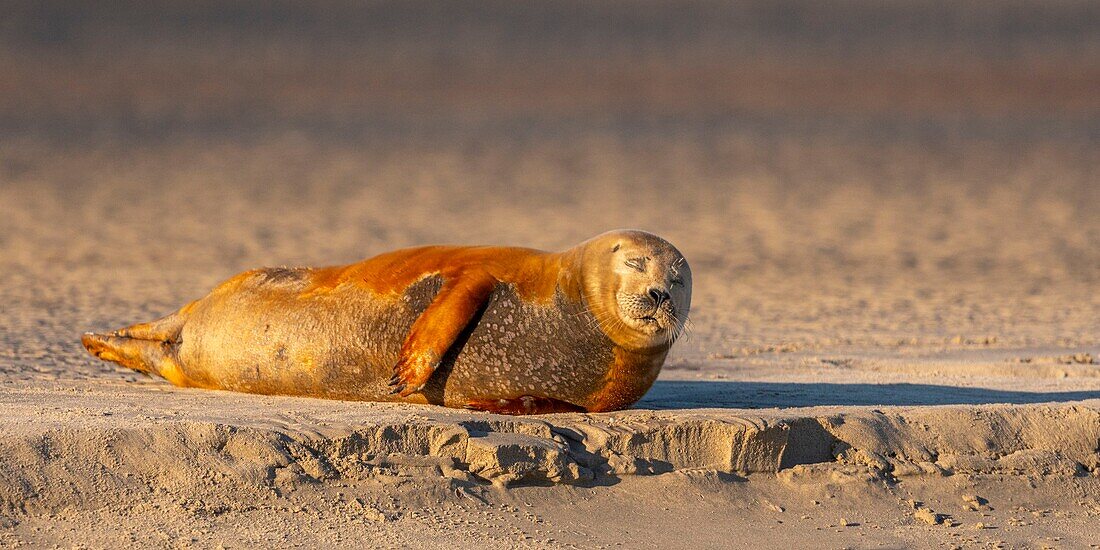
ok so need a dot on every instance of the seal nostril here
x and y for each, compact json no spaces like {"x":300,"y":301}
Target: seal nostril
{"x":659,"y":296}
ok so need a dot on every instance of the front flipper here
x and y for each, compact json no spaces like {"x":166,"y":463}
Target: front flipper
{"x":527,"y":404}
{"x":461,"y":296}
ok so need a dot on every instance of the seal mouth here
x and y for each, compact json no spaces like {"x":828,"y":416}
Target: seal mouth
{"x":650,"y":324}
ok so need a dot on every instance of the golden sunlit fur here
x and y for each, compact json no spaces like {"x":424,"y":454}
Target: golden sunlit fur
{"x":588,"y":328}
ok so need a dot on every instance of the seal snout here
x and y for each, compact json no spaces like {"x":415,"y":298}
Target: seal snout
{"x":659,"y":296}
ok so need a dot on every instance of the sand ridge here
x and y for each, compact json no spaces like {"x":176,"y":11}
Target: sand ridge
{"x":209,"y":453}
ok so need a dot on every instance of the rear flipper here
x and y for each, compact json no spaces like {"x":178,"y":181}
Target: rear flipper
{"x":145,"y":347}
{"x":165,"y":329}
{"x":133,"y":353}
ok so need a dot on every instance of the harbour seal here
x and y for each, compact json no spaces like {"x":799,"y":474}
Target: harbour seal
{"x":499,"y":329}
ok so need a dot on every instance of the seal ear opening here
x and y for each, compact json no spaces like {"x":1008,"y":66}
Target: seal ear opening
{"x":616,"y":247}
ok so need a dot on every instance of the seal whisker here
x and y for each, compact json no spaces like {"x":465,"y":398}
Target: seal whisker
{"x":685,"y":328}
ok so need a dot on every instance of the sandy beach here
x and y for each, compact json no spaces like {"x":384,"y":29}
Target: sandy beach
{"x":890,"y":212}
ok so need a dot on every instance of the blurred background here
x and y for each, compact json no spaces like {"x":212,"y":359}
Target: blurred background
{"x":919,"y":173}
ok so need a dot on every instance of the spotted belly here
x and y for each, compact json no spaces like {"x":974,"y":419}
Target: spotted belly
{"x":515,"y":348}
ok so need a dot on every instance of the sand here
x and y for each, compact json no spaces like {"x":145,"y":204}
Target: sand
{"x":892,"y":222}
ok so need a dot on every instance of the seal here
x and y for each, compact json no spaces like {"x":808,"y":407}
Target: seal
{"x":499,"y":329}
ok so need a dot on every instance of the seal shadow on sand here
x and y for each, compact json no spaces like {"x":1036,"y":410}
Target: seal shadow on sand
{"x":677,"y":394}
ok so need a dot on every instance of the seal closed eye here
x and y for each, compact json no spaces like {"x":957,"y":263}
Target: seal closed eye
{"x":500,"y":329}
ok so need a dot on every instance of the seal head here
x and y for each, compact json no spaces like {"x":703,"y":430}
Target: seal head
{"x":638,"y":287}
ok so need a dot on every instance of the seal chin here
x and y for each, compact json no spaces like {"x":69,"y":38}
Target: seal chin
{"x":655,"y":327}
{"x":649,"y":325}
